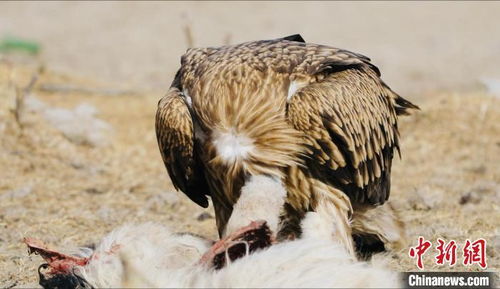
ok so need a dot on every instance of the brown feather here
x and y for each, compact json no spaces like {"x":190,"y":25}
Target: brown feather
{"x":174,"y":131}
{"x":336,"y":133}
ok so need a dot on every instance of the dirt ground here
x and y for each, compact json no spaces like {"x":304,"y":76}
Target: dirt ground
{"x":68,"y":192}
{"x":446,"y":185}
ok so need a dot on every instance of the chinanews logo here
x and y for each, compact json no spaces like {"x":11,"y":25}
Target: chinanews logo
{"x":449,"y":280}
{"x":471,"y":254}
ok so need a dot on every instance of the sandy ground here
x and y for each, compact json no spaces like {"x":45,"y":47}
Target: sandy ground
{"x":447,"y":184}
{"x":70,"y":194}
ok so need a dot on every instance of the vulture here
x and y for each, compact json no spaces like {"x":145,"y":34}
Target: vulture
{"x":316,"y":120}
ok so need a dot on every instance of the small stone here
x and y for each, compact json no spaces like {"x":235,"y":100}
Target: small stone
{"x":18,"y":193}
{"x":481,"y":169}
{"x":171,"y":198}
{"x":204,"y":216}
{"x":492,"y":85}
{"x":417,"y":203}
{"x":77,"y":165}
{"x":80,"y":125}
{"x":469,"y":197}
{"x":94,"y":191}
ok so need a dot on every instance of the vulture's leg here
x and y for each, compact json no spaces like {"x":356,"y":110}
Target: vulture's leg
{"x":290,"y":224}
{"x":366,"y":245}
{"x":256,"y":235}
{"x":374,"y":229}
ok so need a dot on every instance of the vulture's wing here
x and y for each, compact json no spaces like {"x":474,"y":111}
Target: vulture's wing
{"x":175,"y":134}
{"x":350,"y":126}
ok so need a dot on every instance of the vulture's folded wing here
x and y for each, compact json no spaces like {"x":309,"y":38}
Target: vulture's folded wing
{"x":175,"y":134}
{"x":349,"y":120}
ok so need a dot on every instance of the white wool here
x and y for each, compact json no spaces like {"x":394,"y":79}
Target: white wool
{"x":295,"y":264}
{"x":301,"y":263}
{"x":151,"y":246}
{"x":232,"y":146}
{"x":261,"y":198}
{"x":151,"y":256}
{"x":314,"y":226}
{"x":336,"y":227}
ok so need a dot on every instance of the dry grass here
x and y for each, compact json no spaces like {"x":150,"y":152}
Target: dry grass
{"x":69,"y":194}
{"x":447,"y":184}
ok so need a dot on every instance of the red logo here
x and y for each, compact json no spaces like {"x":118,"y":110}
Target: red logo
{"x":419,"y":251}
{"x":473,"y":252}
{"x":447,"y":252}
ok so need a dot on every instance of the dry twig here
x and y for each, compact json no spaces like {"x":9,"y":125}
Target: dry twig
{"x":189,"y":36}
{"x":21,"y":96}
